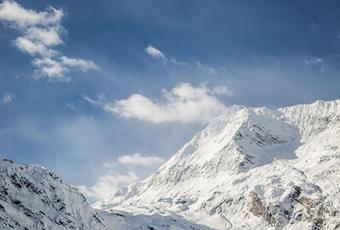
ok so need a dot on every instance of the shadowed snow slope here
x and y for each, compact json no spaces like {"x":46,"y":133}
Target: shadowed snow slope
{"x":33,"y":198}
{"x":273,"y":169}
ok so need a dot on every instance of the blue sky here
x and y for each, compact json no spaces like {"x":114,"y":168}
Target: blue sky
{"x":102,"y":93}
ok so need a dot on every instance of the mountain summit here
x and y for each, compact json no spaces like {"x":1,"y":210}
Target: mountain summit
{"x":273,"y":169}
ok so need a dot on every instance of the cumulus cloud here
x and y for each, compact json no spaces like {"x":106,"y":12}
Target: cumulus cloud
{"x":40,"y":34}
{"x":108,"y":184}
{"x":183,"y":104}
{"x":112,"y":180}
{"x":155,"y":53}
{"x":50,"y":68}
{"x":7,"y":98}
{"x":138,"y":159}
{"x":33,"y":48}
{"x":159,"y":55}
{"x":13,"y":13}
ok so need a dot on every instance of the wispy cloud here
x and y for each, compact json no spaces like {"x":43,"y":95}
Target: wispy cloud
{"x":317,"y":62}
{"x":183,"y":104}
{"x":159,"y":55}
{"x":155,"y":53}
{"x":313,"y":61}
{"x":321,"y":63}
{"x":111,"y":181}
{"x":314,"y":27}
{"x":138,"y":159}
{"x":338,"y":35}
{"x":7,"y":98}
{"x":41,"y":34}
{"x":108,"y":184}
{"x":206,"y":68}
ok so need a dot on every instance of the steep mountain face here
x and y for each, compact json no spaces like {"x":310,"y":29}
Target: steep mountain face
{"x":31,"y":197}
{"x":273,"y":169}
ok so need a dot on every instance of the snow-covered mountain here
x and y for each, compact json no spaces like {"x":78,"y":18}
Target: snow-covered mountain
{"x":251,"y":168}
{"x":33,"y":198}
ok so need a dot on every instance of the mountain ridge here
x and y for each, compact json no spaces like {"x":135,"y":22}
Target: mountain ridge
{"x":31,"y":197}
{"x":252,"y":150}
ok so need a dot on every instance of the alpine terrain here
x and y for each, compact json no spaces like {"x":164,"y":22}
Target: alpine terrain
{"x":31,"y":197}
{"x":250,"y":168}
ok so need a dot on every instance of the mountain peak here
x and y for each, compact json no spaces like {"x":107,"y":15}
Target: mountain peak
{"x":251,"y":164}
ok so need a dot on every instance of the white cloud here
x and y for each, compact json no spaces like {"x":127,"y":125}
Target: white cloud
{"x":98,"y":102}
{"x":183,"y":104}
{"x":84,"y":65}
{"x":313,"y":61}
{"x":47,"y":36}
{"x":206,"y":68}
{"x":138,"y":159}
{"x":108,"y":184}
{"x":173,"y":60}
{"x":15,"y":14}
{"x":113,"y":179}
{"x":159,"y":55}
{"x":155,"y":53}
{"x":221,"y":90}
{"x":41,"y":32}
{"x":317,"y":62}
{"x":7,"y":98}
{"x":33,"y":48}
{"x":50,"y":68}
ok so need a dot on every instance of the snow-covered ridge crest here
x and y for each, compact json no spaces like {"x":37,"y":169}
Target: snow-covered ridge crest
{"x":252,"y":167}
{"x":242,"y":139}
{"x":31,"y":197}
{"x":312,"y":119}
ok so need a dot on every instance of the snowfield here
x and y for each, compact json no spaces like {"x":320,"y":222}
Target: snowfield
{"x":250,"y":168}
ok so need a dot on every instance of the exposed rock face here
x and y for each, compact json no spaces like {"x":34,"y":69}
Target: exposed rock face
{"x":273,"y":169}
{"x":292,"y":210}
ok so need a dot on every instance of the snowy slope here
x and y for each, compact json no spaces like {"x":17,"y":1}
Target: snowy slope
{"x":273,"y":169}
{"x":31,"y":197}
